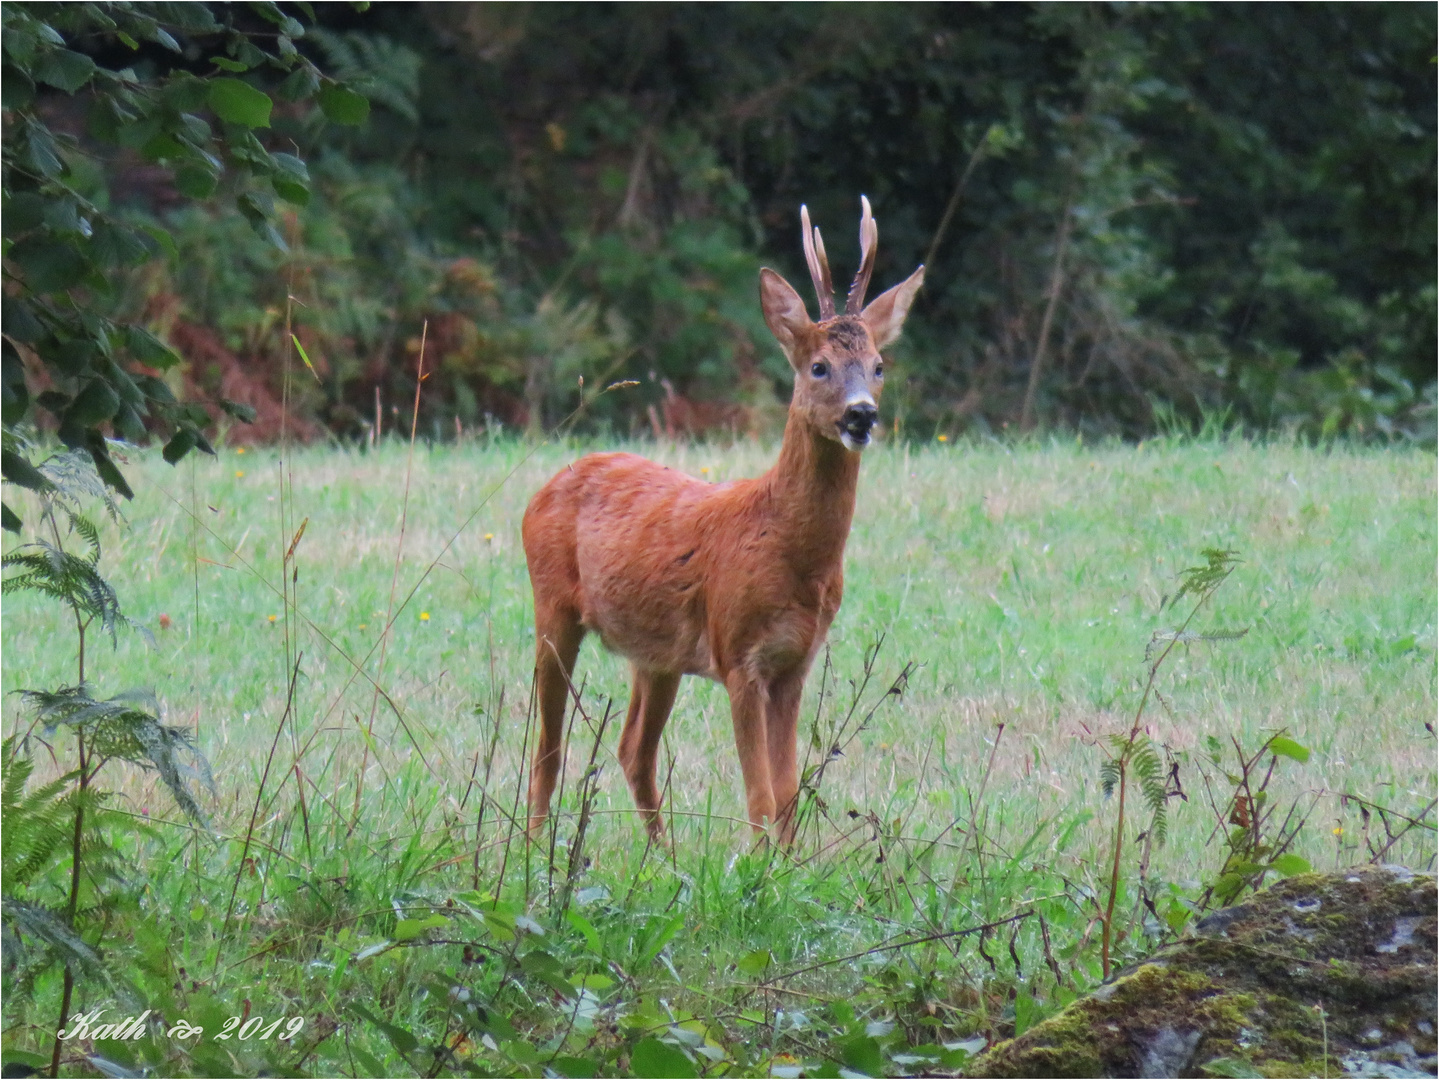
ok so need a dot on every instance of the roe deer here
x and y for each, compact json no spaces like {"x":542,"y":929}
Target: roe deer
{"x":737,"y":582}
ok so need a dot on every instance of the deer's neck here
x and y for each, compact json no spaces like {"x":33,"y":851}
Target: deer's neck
{"x":811,"y":493}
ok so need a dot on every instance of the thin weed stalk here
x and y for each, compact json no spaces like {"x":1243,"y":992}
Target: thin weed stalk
{"x":259,"y":794}
{"x":394,"y":578}
{"x":589,"y":791}
{"x":1133,"y":750}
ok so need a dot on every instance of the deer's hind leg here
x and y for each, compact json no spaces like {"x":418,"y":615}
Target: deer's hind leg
{"x":652,"y":696}
{"x":558,"y":634}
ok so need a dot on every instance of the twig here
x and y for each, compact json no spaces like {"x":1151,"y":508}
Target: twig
{"x":877,"y":949}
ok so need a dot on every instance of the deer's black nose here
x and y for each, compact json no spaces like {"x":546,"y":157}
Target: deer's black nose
{"x":860,"y":417}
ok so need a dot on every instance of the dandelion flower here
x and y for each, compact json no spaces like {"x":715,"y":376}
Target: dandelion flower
{"x":705,"y":470}
{"x":424,"y":616}
{"x":272,"y":618}
{"x":240,"y":450}
{"x":1339,"y":830}
{"x":944,"y":438}
{"x":239,"y":474}
{"x":364,"y":626}
{"x":489,"y":537}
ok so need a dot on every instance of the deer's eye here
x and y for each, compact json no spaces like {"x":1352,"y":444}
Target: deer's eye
{"x":879,"y":370}
{"x":819,"y":371}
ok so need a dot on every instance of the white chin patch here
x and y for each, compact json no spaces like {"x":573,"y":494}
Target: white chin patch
{"x":851,"y":443}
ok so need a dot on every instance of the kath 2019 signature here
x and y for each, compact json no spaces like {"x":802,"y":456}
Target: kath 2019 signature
{"x":89,"y":1026}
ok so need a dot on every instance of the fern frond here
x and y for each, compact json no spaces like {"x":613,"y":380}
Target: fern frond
{"x":33,"y":826}
{"x":128,"y":726}
{"x":50,"y":930}
{"x":381,"y":69}
{"x":76,"y":480}
{"x":1109,"y":776}
{"x":1200,"y":581}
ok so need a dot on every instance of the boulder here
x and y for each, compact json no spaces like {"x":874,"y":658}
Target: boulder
{"x":1319,"y":975}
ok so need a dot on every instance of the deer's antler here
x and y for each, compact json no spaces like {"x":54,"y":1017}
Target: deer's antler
{"x":868,"y":245}
{"x":818,"y":265}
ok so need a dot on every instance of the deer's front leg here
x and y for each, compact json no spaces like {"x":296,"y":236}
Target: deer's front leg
{"x":782,"y":720}
{"x":747,"y":700}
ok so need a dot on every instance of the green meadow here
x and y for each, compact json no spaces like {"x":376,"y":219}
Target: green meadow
{"x":362,"y":869}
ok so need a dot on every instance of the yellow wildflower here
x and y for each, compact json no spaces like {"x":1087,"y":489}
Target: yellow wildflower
{"x":424,"y":616}
{"x":239,"y":474}
{"x":944,"y":438}
{"x":272,"y":618}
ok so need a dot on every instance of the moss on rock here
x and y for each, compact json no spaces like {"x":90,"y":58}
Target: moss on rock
{"x":1322,"y":974}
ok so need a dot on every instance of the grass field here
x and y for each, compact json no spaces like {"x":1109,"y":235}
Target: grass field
{"x":1023,"y":582}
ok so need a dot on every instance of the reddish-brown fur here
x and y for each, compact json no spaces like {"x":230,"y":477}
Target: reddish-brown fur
{"x":736,"y":582}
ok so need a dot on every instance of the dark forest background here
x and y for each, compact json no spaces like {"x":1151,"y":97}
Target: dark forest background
{"x":1134,"y":216}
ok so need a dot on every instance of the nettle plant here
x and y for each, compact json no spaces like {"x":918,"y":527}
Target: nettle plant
{"x":54,"y":914}
{"x":182,"y":86}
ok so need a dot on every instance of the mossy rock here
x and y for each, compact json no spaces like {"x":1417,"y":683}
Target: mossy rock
{"x":1320,"y":975}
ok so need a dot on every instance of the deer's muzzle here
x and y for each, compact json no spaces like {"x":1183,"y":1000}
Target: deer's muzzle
{"x":854,"y":427}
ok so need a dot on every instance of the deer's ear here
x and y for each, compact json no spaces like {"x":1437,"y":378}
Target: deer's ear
{"x":784,"y":312}
{"x":885,"y":314}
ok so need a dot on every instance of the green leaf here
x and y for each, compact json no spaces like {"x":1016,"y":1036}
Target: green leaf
{"x":110,"y":474}
{"x":50,"y":265}
{"x":409,"y":929}
{"x":541,"y":965}
{"x":16,"y":90}
{"x":566,"y":1066}
{"x":118,"y":245}
{"x":755,"y":963}
{"x":300,"y":84}
{"x":163,"y":240}
{"x":341,"y":105}
{"x":239,"y":410}
{"x":659,"y":931}
{"x":305,"y":357}
{"x":19,"y":471}
{"x":291,"y":180}
{"x":43,"y":153}
{"x":585,"y":927}
{"x":1291,"y":864}
{"x":229,"y":65}
{"x":64,"y":69}
{"x":196,"y":180}
{"x":402,"y":1040}
{"x":8,"y":519}
{"x":150,"y":350}
{"x":862,"y":1054}
{"x":293,"y":192}
{"x":180,"y":444}
{"x":652,"y":1058}
{"x":1289,"y":748}
{"x":368,"y":1062}
{"x":20,"y":323}
{"x":95,"y":404}
{"x":238,"y":102}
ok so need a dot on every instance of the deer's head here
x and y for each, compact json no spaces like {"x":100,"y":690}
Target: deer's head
{"x":838,"y":371}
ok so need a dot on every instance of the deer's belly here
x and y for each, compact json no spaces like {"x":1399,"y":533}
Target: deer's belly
{"x":656,"y":624}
